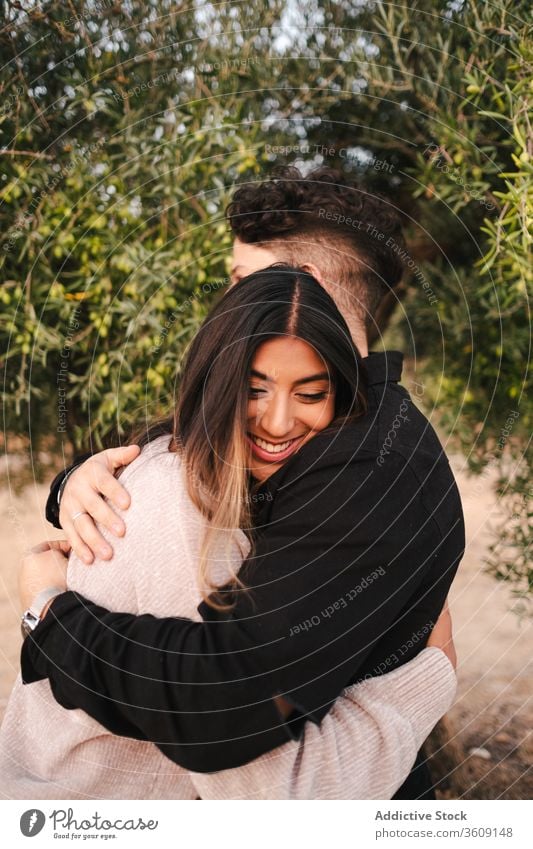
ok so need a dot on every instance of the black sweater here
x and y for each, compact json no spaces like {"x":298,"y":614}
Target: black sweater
{"x":359,"y":537}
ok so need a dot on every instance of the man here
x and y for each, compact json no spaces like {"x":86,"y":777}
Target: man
{"x":369,"y":522}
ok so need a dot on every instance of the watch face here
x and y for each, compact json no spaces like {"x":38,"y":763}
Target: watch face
{"x":28,"y":623}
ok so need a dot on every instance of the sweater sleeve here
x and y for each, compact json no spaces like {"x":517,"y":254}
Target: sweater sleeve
{"x":363,"y":749}
{"x":52,"y":502}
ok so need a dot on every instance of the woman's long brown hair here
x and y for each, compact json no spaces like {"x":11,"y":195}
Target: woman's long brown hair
{"x":209,"y":424}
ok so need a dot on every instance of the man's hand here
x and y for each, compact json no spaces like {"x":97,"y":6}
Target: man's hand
{"x":82,"y":502}
{"x":441,"y":636}
{"x":43,"y":566}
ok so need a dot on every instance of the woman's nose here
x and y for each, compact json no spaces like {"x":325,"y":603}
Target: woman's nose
{"x":275,"y":416}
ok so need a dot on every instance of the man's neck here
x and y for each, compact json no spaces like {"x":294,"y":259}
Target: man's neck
{"x":359,"y":336}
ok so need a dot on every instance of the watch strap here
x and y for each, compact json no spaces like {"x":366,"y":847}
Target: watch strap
{"x":41,"y":600}
{"x":31,"y":617}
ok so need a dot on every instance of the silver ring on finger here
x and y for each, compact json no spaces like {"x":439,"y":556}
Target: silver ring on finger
{"x":77,"y":515}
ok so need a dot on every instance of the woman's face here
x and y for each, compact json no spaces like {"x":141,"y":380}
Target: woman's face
{"x":291,"y":399}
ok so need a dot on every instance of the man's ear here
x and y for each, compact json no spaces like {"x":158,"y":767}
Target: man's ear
{"x":310,"y":268}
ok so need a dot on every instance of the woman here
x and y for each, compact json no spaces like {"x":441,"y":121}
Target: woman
{"x":272,"y":366}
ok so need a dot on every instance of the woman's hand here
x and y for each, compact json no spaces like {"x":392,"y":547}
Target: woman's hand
{"x":42,"y":567}
{"x":82,"y":502}
{"x":441,"y":636}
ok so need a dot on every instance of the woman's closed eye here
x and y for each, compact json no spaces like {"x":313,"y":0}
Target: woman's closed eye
{"x":312,"y":397}
{"x":257,"y":391}
{"x":304,"y":397}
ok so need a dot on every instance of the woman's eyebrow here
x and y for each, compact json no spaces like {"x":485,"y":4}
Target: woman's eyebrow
{"x":260,"y":375}
{"x":323,"y":375}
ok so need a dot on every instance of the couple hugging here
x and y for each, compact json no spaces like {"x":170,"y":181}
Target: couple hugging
{"x":265,"y":617}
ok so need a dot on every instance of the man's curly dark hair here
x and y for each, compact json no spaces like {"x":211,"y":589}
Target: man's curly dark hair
{"x":351,"y":234}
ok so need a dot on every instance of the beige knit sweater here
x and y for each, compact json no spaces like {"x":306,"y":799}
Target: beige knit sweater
{"x":363,"y":748}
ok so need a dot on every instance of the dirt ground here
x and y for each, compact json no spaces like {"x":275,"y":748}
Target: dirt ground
{"x":488,"y":751}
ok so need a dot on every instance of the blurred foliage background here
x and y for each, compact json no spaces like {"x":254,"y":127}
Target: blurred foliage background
{"x":124,"y":126}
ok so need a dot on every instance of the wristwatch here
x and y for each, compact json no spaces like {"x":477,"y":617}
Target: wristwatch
{"x":32,"y":616}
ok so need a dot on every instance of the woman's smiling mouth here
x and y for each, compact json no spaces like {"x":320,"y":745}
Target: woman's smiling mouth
{"x":273,"y":452}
